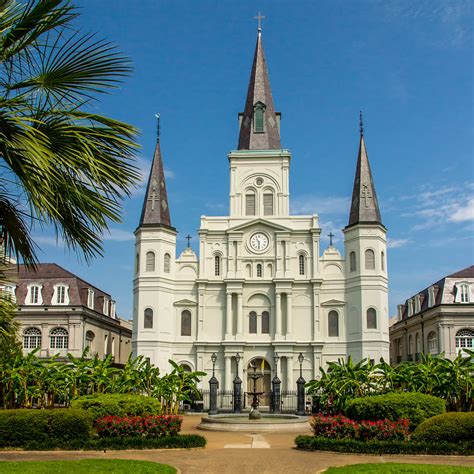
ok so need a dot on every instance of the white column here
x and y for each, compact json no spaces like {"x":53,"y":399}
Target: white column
{"x":278,"y":314}
{"x":289,"y":315}
{"x":228,"y":319}
{"x":228,"y":374}
{"x":239,"y":315}
{"x":289,"y":373}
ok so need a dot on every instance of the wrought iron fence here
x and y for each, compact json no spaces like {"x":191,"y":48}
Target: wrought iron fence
{"x":289,"y":401}
{"x":225,"y":401}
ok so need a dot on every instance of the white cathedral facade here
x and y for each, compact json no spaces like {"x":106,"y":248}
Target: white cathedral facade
{"x":261,"y":284}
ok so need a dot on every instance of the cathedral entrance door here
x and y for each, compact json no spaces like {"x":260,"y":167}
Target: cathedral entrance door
{"x":263,"y":383}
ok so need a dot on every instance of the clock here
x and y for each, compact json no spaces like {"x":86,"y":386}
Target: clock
{"x":259,"y":242}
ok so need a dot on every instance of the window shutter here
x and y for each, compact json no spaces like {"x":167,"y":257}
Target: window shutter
{"x":250,"y":204}
{"x":268,"y":204}
{"x":258,"y":117}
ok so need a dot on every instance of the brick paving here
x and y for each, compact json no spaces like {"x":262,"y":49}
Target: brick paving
{"x":249,"y":453}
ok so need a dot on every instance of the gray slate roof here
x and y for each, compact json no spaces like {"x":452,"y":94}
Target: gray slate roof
{"x":259,"y":91}
{"x":155,"y":211}
{"x":364,"y":206}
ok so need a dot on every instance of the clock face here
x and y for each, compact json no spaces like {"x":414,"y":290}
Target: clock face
{"x":259,"y":241}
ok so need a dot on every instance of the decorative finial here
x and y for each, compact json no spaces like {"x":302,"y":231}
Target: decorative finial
{"x":331,"y":235}
{"x":361,"y":124}
{"x":157,"y":127}
{"x":259,"y":18}
{"x":188,"y":238}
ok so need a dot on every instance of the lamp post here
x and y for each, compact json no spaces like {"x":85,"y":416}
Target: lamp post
{"x":300,"y":388}
{"x":237,"y":387}
{"x":213,"y":386}
{"x":276,"y":385}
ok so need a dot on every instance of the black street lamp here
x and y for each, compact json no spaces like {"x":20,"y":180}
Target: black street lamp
{"x":276,"y":384}
{"x":300,"y":383}
{"x":237,"y":387}
{"x":213,"y":386}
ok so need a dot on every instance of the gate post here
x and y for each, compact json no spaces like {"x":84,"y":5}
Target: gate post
{"x":213,"y":386}
{"x":276,"y":405}
{"x":300,"y":383}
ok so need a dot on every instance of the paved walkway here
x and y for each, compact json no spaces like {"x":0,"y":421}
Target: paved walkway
{"x":238,"y":453}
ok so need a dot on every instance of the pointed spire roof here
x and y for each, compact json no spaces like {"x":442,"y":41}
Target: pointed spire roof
{"x":259,"y":92}
{"x":364,"y":207}
{"x":155,"y":211}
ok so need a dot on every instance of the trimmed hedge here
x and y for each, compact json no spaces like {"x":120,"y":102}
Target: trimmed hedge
{"x":100,"y":444}
{"x":312,"y":443}
{"x":451,"y":427}
{"x":415,"y":407}
{"x":149,"y":426}
{"x":118,"y":405}
{"x":23,"y":426}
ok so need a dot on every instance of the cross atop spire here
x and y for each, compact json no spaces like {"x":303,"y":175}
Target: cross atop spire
{"x":259,"y":18}
{"x":259,"y":123}
{"x":364,"y":207}
{"x":157,"y":127}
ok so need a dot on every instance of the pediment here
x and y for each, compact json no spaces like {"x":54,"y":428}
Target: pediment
{"x":333,"y":303}
{"x":185,"y":302}
{"x":260,"y":221}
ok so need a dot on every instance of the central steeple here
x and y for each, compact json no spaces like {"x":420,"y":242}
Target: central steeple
{"x":259,"y":123}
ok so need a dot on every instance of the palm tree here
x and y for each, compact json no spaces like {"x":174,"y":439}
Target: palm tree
{"x":60,"y":164}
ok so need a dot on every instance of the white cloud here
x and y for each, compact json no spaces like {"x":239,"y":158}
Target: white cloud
{"x":464,"y":213}
{"x":48,"y":240}
{"x":396,"y":243}
{"x":169,"y":174}
{"x":119,"y":235}
{"x":310,"y":204}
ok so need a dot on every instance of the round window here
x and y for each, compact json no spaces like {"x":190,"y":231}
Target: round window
{"x":259,"y":181}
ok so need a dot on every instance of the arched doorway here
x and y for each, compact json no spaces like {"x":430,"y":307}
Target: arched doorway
{"x":263,"y":383}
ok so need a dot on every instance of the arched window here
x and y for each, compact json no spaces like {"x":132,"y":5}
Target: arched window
{"x":167,"y":263}
{"x":369,"y":260}
{"x":250,"y":203}
{"x":371,"y":318}
{"x":150,"y":262}
{"x":417,"y":343}
{"x":268,"y":203}
{"x":353,"y":263}
{"x":35,"y":295}
{"x":432,"y":343}
{"x":253,"y":322}
{"x":249,"y":270}
{"x":269,"y":271}
{"x":465,"y":339}
{"x":90,"y":336}
{"x":333,"y":324}
{"x":217,"y":265}
{"x":259,"y":270}
{"x":60,"y":294}
{"x":148,"y":319}
{"x":137,"y":263}
{"x":265,"y":322}
{"x":186,"y":368}
{"x":258,"y":114}
{"x":382,"y":260}
{"x":410,"y":345}
{"x":301,"y":264}
{"x":58,"y":338}
{"x":186,"y":323}
{"x":31,"y":338}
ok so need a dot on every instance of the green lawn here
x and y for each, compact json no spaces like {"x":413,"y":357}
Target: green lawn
{"x":86,"y":466}
{"x":400,"y":468}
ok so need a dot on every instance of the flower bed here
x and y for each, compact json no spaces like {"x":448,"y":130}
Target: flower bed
{"x":133,"y":426}
{"x":340,"y":427}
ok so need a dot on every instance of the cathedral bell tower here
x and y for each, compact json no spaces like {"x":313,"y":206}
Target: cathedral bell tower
{"x":155,"y":256}
{"x":366,"y":267}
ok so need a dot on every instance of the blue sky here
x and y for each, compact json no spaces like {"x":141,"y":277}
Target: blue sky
{"x":408,"y":65}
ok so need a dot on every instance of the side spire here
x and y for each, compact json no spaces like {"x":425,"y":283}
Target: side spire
{"x":364,"y":206}
{"x":155,"y":211}
{"x":259,"y":123}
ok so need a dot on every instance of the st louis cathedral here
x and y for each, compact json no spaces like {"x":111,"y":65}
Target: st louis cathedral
{"x":261,"y":284}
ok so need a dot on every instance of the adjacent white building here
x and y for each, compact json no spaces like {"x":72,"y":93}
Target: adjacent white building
{"x":260,"y":284}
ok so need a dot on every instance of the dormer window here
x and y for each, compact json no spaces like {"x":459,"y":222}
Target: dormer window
{"x":112,"y":309}
{"x":463,"y":293}
{"x":34,"y":295}
{"x":258,"y":117}
{"x":417,"y":303}
{"x":105,"y":309}
{"x":90,"y":298}
{"x":60,"y":294}
{"x":431,"y":296}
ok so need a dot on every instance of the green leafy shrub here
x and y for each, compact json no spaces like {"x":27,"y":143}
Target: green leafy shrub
{"x":415,"y":407}
{"x":452,"y":427}
{"x":104,"y":405}
{"x":313,"y":443}
{"x":21,"y":427}
{"x":130,"y":442}
{"x":149,"y":426}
